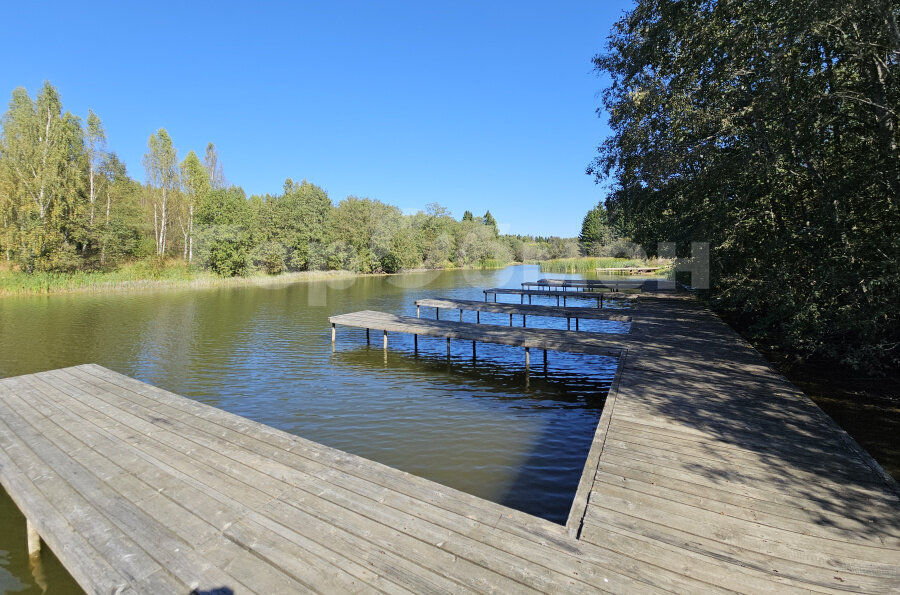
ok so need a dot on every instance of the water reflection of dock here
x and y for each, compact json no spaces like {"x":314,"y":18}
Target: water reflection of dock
{"x":708,"y":472}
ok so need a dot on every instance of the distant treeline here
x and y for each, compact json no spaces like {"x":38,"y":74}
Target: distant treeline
{"x":771,"y":130}
{"x":67,"y":203}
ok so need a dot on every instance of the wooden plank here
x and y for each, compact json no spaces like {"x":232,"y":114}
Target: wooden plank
{"x":733,"y":557}
{"x":540,"y":531}
{"x":157,"y":540}
{"x":610,"y":284}
{"x":529,"y":310}
{"x":487,"y":535}
{"x":551,"y":339}
{"x":593,"y":296}
{"x":169,"y":497}
{"x":219,"y":474}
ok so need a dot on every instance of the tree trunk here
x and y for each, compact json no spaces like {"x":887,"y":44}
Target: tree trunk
{"x":191,"y":233}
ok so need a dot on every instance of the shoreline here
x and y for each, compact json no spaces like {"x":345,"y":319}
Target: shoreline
{"x":84,"y":283}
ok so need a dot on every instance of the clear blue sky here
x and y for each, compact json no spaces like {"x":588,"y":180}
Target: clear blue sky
{"x":473,"y":105}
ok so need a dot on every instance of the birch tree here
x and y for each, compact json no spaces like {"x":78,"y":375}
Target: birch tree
{"x":161,"y":163}
{"x":95,"y":148}
{"x":40,"y":151}
{"x":195,"y":184}
{"x":214,"y":168}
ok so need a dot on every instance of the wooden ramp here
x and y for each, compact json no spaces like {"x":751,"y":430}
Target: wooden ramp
{"x":526,"y":309}
{"x":138,"y":490}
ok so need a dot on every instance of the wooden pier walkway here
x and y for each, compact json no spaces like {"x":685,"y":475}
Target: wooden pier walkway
{"x":629,"y":269}
{"x":529,"y":338}
{"x":568,"y":313}
{"x":585,"y":284}
{"x":708,"y":473}
{"x":597,"y":296}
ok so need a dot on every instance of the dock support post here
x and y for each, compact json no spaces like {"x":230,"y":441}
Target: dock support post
{"x":416,"y":343}
{"x":477,"y":316}
{"x":545,"y":360}
{"x":367,"y":336}
{"x":529,"y":299}
{"x":523,"y":321}
{"x":576,"y":323}
{"x":34,"y":540}
{"x":527,"y":358}
{"x":564,"y":301}
{"x":510,"y":320}
{"x":600,"y":300}
{"x":485,"y":295}
{"x":332,"y":332}
{"x":568,"y":323}
{"x":521,"y":299}
{"x":473,"y":350}
{"x":448,"y":347}
{"x":437,"y":313}
{"x":557,"y":301}
{"x":417,"y":311}
{"x":460,"y":315}
{"x":385,"y":339}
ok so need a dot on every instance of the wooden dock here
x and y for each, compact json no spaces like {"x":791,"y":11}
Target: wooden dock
{"x":708,"y":473}
{"x":597,"y":296}
{"x":138,"y":490}
{"x":585,"y":284}
{"x":569,"y":313}
{"x":528,"y":338}
{"x":629,"y":269}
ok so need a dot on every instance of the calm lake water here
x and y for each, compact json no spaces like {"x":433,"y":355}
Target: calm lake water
{"x":483,"y":427}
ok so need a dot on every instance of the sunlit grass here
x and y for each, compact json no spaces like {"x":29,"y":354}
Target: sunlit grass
{"x":143,"y":274}
{"x":591,"y":264}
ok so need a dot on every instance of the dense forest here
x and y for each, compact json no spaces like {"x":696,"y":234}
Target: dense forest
{"x":68,"y":203}
{"x":771,"y":130}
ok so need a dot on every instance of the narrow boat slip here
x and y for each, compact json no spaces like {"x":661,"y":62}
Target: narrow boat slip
{"x":708,"y":473}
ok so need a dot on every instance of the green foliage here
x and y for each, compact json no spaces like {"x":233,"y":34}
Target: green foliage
{"x":769,"y":129}
{"x":489,"y":220}
{"x":41,"y":149}
{"x":68,"y":205}
{"x":595,"y":231}
{"x":590,"y":265}
{"x":224,"y":239}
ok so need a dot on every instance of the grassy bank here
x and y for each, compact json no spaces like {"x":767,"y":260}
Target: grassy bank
{"x":591,"y":264}
{"x":151,"y":274}
{"x":140,"y":275}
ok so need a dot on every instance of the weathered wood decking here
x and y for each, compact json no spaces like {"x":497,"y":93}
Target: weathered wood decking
{"x":629,"y":269}
{"x":597,"y":296}
{"x":536,"y":338}
{"x":527,"y":309}
{"x":708,"y":473}
{"x":138,"y":490}
{"x":585,"y":284}
{"x":708,"y":463}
